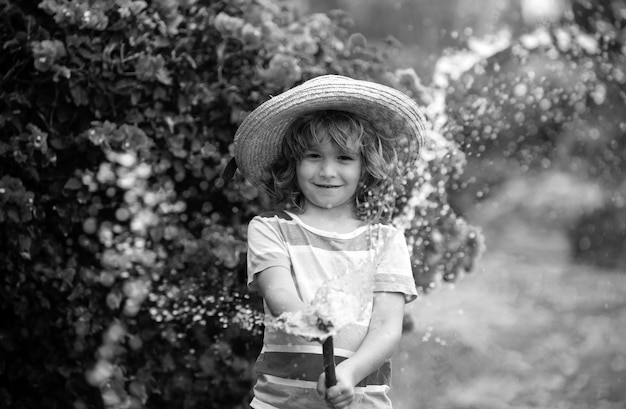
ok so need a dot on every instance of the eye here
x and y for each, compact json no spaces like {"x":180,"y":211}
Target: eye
{"x":311,"y":155}
{"x":347,"y":157}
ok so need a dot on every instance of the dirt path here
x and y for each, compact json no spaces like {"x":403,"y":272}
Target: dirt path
{"x":528,"y":330}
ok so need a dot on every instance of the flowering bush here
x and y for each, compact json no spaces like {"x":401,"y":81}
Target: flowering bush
{"x":552,"y":99}
{"x":124,"y":280}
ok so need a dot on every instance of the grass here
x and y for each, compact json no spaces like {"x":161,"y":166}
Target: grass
{"x":529,"y":329}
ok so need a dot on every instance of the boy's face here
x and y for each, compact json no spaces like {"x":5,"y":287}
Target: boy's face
{"x":329,"y":176}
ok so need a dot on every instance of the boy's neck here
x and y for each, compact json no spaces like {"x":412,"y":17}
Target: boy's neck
{"x":329,"y":220}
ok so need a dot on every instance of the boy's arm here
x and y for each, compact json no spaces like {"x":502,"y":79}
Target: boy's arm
{"x":382,"y":337}
{"x":277,"y":288}
{"x":380,"y":343}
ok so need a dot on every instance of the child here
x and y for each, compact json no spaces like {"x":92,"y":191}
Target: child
{"x":332,"y":153}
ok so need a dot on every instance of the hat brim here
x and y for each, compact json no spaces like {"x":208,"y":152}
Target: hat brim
{"x":258,"y":141}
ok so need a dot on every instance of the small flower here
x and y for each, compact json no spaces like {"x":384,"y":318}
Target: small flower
{"x":166,"y":8}
{"x":283,"y":71}
{"x":170,"y":15}
{"x":135,"y":137}
{"x":16,"y":203}
{"x":304,"y":43}
{"x":102,"y":133}
{"x":129,"y":8}
{"x":94,"y":19}
{"x":251,"y":35}
{"x":150,"y":68}
{"x":38,"y":138}
{"x":62,"y":13}
{"x":46,"y":53}
{"x":272,"y":34}
{"x":227,"y":25}
{"x":357,"y":40}
{"x":320,"y":25}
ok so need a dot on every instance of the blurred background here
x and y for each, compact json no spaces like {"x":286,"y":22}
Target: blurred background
{"x":541,"y":324}
{"x":123,"y":250}
{"x":427,"y":29}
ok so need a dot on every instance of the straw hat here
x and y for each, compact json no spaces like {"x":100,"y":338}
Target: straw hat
{"x":258,"y":141}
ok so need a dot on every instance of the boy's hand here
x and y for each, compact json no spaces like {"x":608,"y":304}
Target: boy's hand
{"x":339,"y":396}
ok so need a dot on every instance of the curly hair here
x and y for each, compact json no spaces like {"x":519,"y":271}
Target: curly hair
{"x":376,"y":192}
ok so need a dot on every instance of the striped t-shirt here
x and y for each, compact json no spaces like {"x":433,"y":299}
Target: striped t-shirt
{"x":289,"y":366}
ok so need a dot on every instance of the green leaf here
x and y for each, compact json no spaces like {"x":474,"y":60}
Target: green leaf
{"x":25,"y":243}
{"x":73,"y":184}
{"x":79,"y":95}
{"x":4,"y":148}
{"x":13,"y":215}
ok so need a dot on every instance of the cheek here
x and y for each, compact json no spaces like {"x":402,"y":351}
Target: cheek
{"x":359,"y":173}
{"x":305,"y":171}
{"x":300,"y":173}
{"x":301,"y":176}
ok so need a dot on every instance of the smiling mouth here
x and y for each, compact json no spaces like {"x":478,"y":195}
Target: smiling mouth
{"x":328,"y":186}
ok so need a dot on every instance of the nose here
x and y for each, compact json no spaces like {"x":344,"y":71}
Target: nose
{"x":328,"y":169}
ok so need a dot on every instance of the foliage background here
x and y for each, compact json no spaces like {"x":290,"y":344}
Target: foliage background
{"x":124,"y":260}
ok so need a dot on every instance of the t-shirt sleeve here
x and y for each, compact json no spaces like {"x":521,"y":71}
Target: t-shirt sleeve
{"x":266,"y":248}
{"x":393,"y":273}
